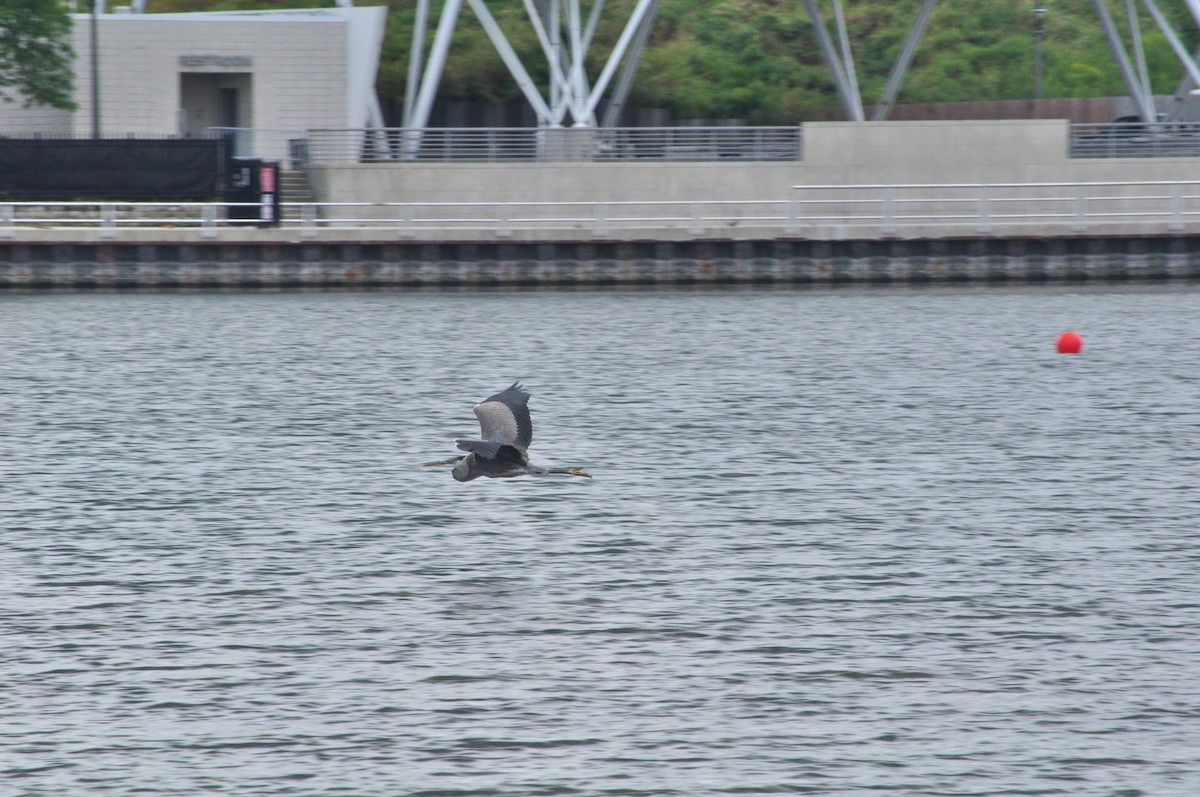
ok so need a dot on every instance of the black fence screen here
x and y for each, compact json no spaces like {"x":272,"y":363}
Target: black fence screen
{"x":116,"y":169}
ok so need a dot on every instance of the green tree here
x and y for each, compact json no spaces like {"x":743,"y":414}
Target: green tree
{"x":35,"y":56}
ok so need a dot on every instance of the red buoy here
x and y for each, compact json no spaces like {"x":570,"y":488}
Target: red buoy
{"x":1069,"y":343}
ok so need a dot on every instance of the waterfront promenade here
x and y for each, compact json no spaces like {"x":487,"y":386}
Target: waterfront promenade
{"x":850,"y":203}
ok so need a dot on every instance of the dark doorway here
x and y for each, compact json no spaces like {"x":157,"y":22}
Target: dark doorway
{"x":214,"y":99}
{"x":229,"y":108}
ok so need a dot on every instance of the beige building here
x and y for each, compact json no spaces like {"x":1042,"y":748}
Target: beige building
{"x":278,"y":72}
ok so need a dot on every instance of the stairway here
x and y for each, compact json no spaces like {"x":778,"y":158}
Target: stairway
{"x":294,"y":187}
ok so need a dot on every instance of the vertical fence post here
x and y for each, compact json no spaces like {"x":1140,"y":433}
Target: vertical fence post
{"x":792,"y":226}
{"x":504,"y":220}
{"x":887,"y":224}
{"x":1081,"y":208}
{"x":404,"y":218}
{"x":600,"y":228}
{"x":697,"y":225}
{"x":108,"y":220}
{"x":984,"y":221}
{"x":308,"y":220}
{"x":208,"y":220}
{"x":1176,"y":222}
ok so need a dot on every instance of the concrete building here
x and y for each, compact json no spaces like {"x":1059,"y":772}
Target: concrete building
{"x":281,"y":72}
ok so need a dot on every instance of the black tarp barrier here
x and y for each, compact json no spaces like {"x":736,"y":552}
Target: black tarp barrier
{"x":184,"y":169}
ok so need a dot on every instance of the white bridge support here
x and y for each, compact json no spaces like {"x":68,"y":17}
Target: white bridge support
{"x":1137,"y":83}
{"x":565,"y":40}
{"x":1130,"y":59}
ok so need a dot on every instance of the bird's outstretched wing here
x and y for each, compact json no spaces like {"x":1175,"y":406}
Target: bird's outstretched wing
{"x":484,"y":448}
{"x":504,"y":417}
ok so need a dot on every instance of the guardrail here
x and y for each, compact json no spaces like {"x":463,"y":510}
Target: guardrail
{"x":268,"y":143}
{"x":524,"y":144}
{"x":812,"y":211}
{"x":474,"y":144}
{"x":477,"y":144}
{"x":1136,"y":140}
{"x":984,"y":208}
{"x":714,"y":144}
{"x":108,"y":219}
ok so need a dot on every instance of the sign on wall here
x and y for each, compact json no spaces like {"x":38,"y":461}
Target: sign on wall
{"x":202,"y":61}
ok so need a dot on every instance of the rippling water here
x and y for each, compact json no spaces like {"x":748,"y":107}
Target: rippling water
{"x":837,"y":542}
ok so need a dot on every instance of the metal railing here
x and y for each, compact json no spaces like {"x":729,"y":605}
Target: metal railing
{"x":1114,"y":140}
{"x":812,"y":211}
{"x":555,"y":144}
{"x":57,"y":135}
{"x":955,"y":208}
{"x":269,"y":143}
{"x":507,"y":144}
{"x":637,"y":144}
{"x":1136,"y":140}
{"x":110,"y":218}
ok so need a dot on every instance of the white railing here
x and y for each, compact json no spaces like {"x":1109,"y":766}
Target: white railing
{"x":957,"y":208}
{"x":813,"y":211}
{"x":110,"y":218}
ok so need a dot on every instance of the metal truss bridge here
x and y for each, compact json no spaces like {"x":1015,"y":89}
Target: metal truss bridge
{"x":565,"y":31}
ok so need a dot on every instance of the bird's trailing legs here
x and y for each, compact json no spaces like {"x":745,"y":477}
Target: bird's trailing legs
{"x":570,"y":471}
{"x":533,"y":470}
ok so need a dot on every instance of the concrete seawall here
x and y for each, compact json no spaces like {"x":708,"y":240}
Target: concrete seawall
{"x":401,"y":265}
{"x":878,"y":203}
{"x":872,"y":155}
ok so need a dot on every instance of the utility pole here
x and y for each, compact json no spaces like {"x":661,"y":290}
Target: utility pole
{"x":1039,"y":35}
{"x":95,"y":74}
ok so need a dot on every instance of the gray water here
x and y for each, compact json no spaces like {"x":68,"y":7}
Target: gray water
{"x":837,"y":542}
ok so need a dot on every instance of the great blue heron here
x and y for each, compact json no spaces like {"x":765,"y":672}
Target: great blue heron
{"x":506,"y":431}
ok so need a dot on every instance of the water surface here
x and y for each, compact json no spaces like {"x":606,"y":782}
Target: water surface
{"x":837,"y":542}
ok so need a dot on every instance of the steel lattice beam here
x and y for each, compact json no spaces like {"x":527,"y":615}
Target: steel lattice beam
{"x":566,"y":38}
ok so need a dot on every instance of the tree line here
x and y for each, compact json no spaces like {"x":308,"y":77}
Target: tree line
{"x":756,"y":60}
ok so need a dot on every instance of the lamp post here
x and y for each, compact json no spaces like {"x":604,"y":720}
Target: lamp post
{"x":1039,"y":34}
{"x":95,"y":73}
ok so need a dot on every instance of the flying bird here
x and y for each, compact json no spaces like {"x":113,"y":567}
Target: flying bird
{"x":506,"y":431}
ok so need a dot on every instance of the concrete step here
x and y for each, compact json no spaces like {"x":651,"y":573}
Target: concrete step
{"x":295,"y":187}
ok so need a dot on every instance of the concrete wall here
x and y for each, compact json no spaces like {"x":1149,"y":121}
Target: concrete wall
{"x":17,"y":120}
{"x":297,"y":69}
{"x":932,"y":152}
{"x":835,"y":153}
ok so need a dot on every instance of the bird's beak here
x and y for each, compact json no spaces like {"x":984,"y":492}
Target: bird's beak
{"x":579,"y":472}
